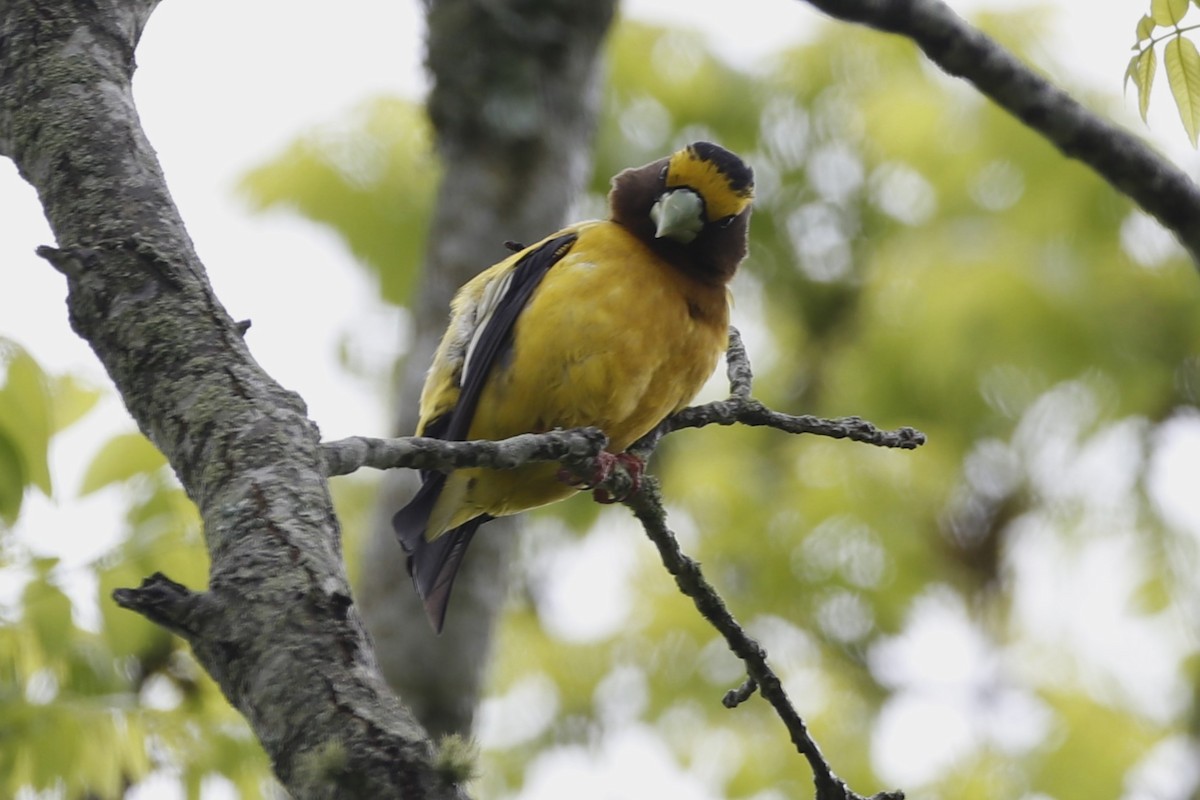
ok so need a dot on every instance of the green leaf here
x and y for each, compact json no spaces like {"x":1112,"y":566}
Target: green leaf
{"x":371,"y":180}
{"x":25,"y":410}
{"x":121,"y":458}
{"x":12,"y":480}
{"x":1183,"y":75}
{"x":1141,"y":71}
{"x":1145,"y":28}
{"x":71,"y":400}
{"x":1096,"y":746}
{"x":48,"y":610}
{"x":1167,"y":12}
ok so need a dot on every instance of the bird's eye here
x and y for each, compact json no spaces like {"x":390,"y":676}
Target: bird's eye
{"x":725,"y":222}
{"x":662,"y":176}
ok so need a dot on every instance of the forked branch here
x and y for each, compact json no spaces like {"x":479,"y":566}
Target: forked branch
{"x":578,"y":447}
{"x":577,"y":450}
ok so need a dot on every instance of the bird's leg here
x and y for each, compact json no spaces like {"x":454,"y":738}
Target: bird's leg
{"x":606,"y":462}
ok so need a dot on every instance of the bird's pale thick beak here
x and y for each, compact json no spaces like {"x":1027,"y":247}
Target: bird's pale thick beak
{"x":678,"y":215}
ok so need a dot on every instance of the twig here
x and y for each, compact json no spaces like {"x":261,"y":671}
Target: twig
{"x":578,"y":447}
{"x":743,"y":409}
{"x":737,"y":366}
{"x":735,"y":697}
{"x":647,"y":507}
{"x":577,"y":450}
{"x":748,"y":411}
{"x":575,"y":447}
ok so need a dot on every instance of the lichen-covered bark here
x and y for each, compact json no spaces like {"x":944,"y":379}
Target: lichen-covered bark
{"x":514,"y":103}
{"x":276,"y":626}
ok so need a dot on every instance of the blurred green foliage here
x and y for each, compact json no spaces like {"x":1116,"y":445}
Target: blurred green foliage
{"x":90,"y":710}
{"x":33,"y":406}
{"x":918,"y":258}
{"x":370,"y":178}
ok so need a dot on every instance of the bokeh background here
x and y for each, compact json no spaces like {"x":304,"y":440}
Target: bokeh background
{"x":1008,"y":612}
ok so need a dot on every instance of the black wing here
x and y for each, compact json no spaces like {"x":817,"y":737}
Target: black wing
{"x":434,"y":564}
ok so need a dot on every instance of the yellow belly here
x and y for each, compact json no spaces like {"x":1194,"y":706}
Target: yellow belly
{"x":613,"y":337}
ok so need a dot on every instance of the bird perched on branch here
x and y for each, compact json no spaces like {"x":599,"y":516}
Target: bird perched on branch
{"x":614,"y":324}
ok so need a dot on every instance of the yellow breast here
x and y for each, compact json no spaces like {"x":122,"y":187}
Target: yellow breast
{"x":613,"y":337}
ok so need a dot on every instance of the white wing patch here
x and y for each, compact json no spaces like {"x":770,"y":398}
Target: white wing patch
{"x":481,"y":314}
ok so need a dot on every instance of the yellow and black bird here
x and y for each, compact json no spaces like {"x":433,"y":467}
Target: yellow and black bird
{"x":614,"y":324}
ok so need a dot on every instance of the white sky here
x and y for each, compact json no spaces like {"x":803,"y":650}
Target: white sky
{"x":282,"y":67}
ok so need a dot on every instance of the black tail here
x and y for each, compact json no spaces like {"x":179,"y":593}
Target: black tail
{"x":432,"y":565}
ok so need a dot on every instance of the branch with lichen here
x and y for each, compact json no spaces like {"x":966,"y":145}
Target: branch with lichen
{"x":575,"y":447}
{"x":647,"y":506}
{"x":577,"y":450}
{"x":740,"y":408}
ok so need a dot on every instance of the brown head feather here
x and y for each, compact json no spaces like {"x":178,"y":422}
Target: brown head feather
{"x":714,"y":255}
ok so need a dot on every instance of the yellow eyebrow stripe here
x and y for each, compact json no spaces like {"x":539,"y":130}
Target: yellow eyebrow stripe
{"x":687,"y":168}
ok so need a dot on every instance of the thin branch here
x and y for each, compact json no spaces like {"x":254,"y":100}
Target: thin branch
{"x":748,"y":411}
{"x":737,"y":366}
{"x":571,"y":447}
{"x":647,"y":507}
{"x":741,"y":408}
{"x":577,"y":448}
{"x":646,"y":504}
{"x":735,"y":697}
{"x":1120,"y":158}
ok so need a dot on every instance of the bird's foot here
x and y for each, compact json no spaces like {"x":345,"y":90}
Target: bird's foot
{"x":634,"y":467}
{"x":606,"y":462}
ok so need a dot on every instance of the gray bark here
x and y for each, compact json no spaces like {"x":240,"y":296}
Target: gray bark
{"x":276,"y":628}
{"x":514,"y":105}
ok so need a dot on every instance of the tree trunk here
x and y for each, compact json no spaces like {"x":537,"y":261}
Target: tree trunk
{"x":514,"y":105}
{"x":276,"y":628}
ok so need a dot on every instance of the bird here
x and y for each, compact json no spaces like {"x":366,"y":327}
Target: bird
{"x":612,"y":323}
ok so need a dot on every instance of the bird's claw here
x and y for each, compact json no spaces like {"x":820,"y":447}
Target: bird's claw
{"x":606,"y":462}
{"x":634,"y":467}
